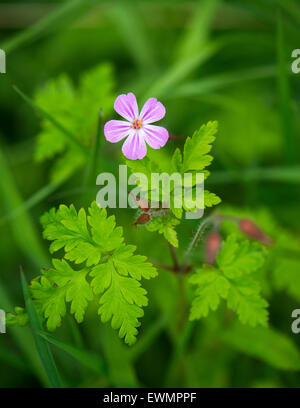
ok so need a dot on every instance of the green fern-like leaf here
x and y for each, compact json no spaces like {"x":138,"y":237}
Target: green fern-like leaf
{"x":122,"y":296}
{"x":211,"y":288}
{"x":77,"y":110}
{"x":165,"y":225}
{"x":235,"y":280}
{"x":59,"y":285}
{"x":69,"y":229}
{"x":283,"y":261}
{"x":195,"y":155}
{"x":105,"y":269}
{"x":18,"y":318}
{"x":194,"y":159}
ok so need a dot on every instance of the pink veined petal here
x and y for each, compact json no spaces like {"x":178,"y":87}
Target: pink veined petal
{"x":134,"y":146}
{"x":155,"y":136}
{"x":126,"y":106}
{"x":152,"y":111}
{"x":116,"y":130}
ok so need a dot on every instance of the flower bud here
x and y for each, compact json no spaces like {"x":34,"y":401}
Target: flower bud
{"x":252,"y":230}
{"x":143,"y":219}
{"x":212,"y":245}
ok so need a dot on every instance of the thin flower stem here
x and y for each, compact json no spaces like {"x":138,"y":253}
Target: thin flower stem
{"x":196,"y":238}
{"x":94,"y":166}
{"x":180,"y":345}
{"x":163,"y":266}
{"x":174,"y":257}
{"x":181,"y":303}
{"x":98,"y":142}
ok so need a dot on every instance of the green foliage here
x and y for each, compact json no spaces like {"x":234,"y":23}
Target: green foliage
{"x":285,"y":264}
{"x":239,"y":258}
{"x":235,"y":280}
{"x":109,"y":271}
{"x":286,"y":276}
{"x":57,"y":286}
{"x":165,"y":225}
{"x":265,"y":344}
{"x":195,"y":159}
{"x":195,"y":155}
{"x":69,"y":230}
{"x":41,"y":345}
{"x":86,"y":358}
{"x":18,"y":318}
{"x":262,"y":134}
{"x":283,"y":261}
{"x":211,"y":199}
{"x":77,"y":110}
{"x":199,"y":66}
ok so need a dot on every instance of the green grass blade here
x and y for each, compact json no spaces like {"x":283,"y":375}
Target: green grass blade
{"x":58,"y":18}
{"x":144,"y":343}
{"x":180,"y":346}
{"x":90,"y":360}
{"x":120,"y":369}
{"x":198,"y":30}
{"x":265,"y":344}
{"x":220,"y":81}
{"x":284,"y":93}
{"x":23,"y":228}
{"x":69,"y":135}
{"x":193,"y":51}
{"x":290,"y":7}
{"x":126,"y":15}
{"x":40,"y":343}
{"x":22,"y":338}
{"x":13,"y":359}
{"x":32,"y":201}
{"x":289,"y":175}
{"x":179,"y":71}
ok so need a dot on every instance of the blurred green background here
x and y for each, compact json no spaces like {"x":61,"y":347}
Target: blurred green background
{"x":205,"y":60}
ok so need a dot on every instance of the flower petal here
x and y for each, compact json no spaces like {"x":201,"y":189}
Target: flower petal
{"x":155,"y":136}
{"x":134,"y":146}
{"x":126,"y":106}
{"x":152,"y":111}
{"x":116,"y":130}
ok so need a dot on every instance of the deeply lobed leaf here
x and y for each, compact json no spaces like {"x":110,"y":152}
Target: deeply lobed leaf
{"x":77,"y":110}
{"x":109,"y":271}
{"x":235,"y":280}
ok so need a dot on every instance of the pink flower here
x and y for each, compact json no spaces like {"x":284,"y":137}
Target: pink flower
{"x":137,"y":126}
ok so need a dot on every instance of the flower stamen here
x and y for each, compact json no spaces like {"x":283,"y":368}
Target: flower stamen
{"x":136,"y":124}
